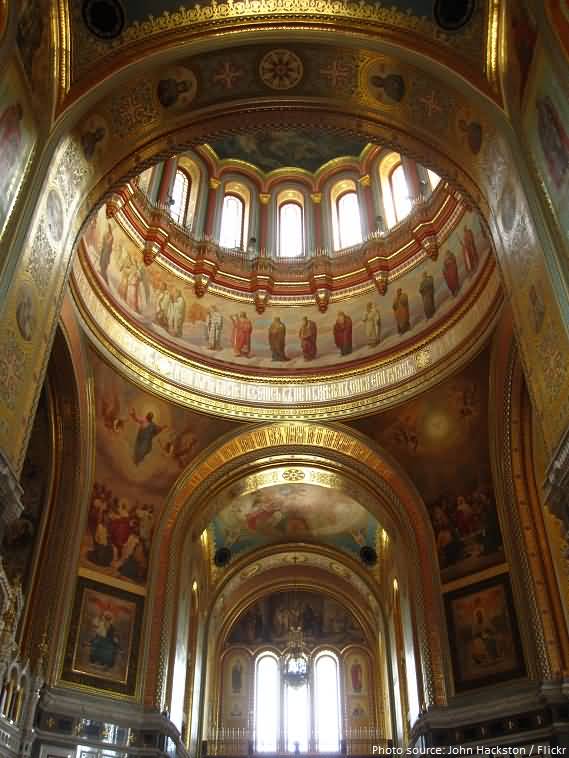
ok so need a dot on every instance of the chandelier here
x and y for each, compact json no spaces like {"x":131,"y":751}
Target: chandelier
{"x":296,"y":657}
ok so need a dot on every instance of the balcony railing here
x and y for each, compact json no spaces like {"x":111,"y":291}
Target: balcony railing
{"x":235,"y":742}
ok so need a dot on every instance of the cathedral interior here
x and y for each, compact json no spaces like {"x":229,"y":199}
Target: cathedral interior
{"x":284,"y":377}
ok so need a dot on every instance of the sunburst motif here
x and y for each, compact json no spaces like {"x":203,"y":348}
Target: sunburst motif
{"x":281,"y":69}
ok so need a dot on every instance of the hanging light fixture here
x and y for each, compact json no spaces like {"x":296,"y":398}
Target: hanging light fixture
{"x":296,"y":657}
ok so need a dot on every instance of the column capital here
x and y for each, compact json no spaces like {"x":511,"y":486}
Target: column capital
{"x":264,"y":198}
{"x":214,"y":183}
{"x":316,"y":197}
{"x":365,"y":180}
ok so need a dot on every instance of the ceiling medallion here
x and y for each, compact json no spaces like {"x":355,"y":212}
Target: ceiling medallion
{"x":281,"y":69}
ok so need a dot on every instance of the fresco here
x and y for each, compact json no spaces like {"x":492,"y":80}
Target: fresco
{"x":294,"y":511}
{"x":284,"y":338}
{"x":102,"y":647}
{"x":441,"y":439}
{"x":299,"y":148}
{"x":323,"y":621}
{"x":546,"y":124}
{"x":483,"y":634}
{"x":522,"y":35}
{"x":236,"y":688}
{"x":33,"y":41}
{"x":558,"y":14}
{"x":143,"y":445}
{"x":17,"y":138}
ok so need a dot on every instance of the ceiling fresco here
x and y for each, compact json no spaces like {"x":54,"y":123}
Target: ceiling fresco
{"x":292,"y":513}
{"x":134,"y":23}
{"x":441,"y":439}
{"x":323,"y":621}
{"x":279,"y":148}
{"x":143,"y":444}
{"x":285,"y":338}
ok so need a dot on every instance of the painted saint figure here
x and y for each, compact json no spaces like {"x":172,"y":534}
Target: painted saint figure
{"x":450,"y":273}
{"x":393,"y":86}
{"x":307,"y":335}
{"x":277,"y":339}
{"x":106,"y":252}
{"x":162,"y":306}
{"x":236,"y":677}
{"x":176,"y":313}
{"x":401,"y":311}
{"x":214,"y":328}
{"x":147,"y":430}
{"x":356,"y":676}
{"x":343,"y":333}
{"x":242,"y":330}
{"x":105,"y":644}
{"x":427,"y":290}
{"x":169,"y":90}
{"x":372,"y":321}
{"x":469,"y":250}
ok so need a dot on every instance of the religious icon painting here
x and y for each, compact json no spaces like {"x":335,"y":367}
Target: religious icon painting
{"x":356,"y":668}
{"x":102,"y":647}
{"x":483,"y":634}
{"x":17,"y":138}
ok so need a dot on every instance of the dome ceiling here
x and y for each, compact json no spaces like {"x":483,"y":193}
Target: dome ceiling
{"x":278,"y":148}
{"x":293,"y":512}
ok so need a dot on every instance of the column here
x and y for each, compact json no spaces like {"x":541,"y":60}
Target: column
{"x":412,"y":177}
{"x":214,"y":185}
{"x":264,"y":199}
{"x":316,"y":198}
{"x":368,"y":211}
{"x":168,"y":174}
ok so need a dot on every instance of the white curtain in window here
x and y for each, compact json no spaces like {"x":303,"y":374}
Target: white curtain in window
{"x":297,"y":709}
{"x":267,"y":704}
{"x":400,"y":191}
{"x":231,"y":234}
{"x":349,"y":223}
{"x":179,"y":197}
{"x":327,"y":704}
{"x":291,"y":236}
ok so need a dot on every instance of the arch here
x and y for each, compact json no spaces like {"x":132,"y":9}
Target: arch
{"x":391,"y":495}
{"x":181,"y":189}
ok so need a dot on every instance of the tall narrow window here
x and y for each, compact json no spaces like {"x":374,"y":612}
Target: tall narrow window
{"x":267,"y":703}
{"x":297,"y":709}
{"x":349,"y":224}
{"x":232,"y":215}
{"x":180,"y":197}
{"x":327,"y":703}
{"x":400,"y":193}
{"x":291,"y":230}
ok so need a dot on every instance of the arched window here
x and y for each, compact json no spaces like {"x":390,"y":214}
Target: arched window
{"x":232,"y":216}
{"x":291,"y":230}
{"x":267,"y":703}
{"x":327,"y":702}
{"x":180,"y":196}
{"x":349,"y":224}
{"x":399,"y":192}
